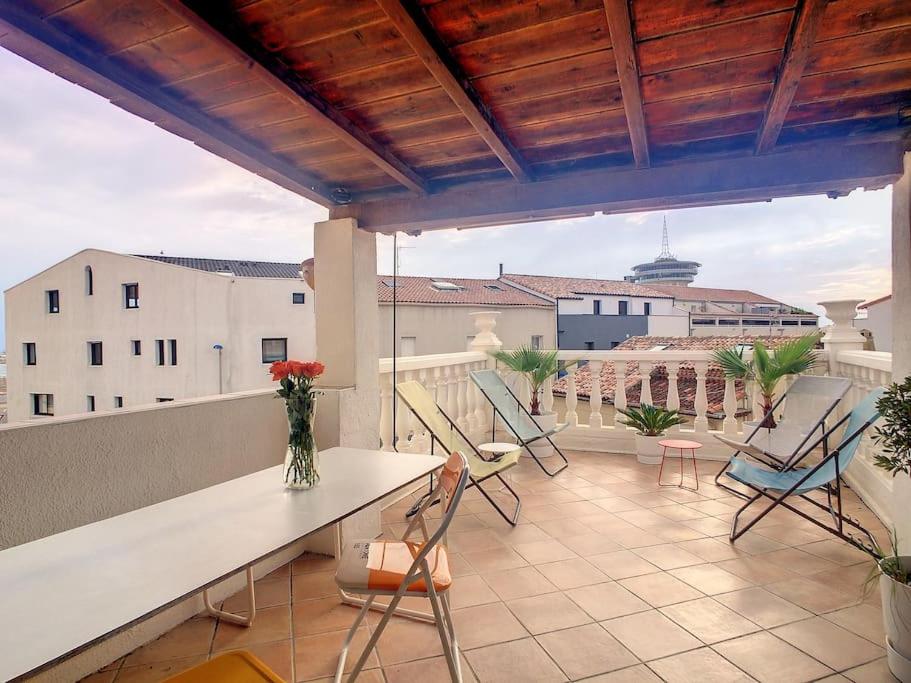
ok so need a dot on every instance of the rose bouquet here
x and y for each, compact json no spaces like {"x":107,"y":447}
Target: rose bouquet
{"x":296,"y":378}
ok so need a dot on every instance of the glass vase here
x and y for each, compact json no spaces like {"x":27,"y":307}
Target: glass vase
{"x":301,"y":468}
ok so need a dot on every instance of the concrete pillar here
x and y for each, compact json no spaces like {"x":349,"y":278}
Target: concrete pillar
{"x":841,"y":335}
{"x":901,"y":332}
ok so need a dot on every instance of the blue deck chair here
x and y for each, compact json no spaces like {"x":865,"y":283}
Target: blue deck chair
{"x":807,"y":405}
{"x":518,"y":420}
{"x":444,"y":431}
{"x":779,"y":485}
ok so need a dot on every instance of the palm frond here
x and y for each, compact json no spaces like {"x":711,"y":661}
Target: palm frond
{"x":732,"y":363}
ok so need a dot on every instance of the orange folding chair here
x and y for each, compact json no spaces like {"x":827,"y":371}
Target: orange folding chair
{"x":407,"y":568}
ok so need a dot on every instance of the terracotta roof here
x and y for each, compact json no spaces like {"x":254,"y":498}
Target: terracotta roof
{"x":238,"y":268}
{"x":739,"y":296}
{"x":695,"y":343}
{"x":873,"y":302}
{"x":474,"y":292}
{"x":573,"y":287}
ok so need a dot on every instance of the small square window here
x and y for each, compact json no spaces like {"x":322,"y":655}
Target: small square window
{"x":589,"y":346}
{"x":623,"y":307}
{"x":53,"y":301}
{"x":159,"y":352}
{"x":596,"y":307}
{"x":172,"y":349}
{"x":29,"y":353}
{"x":136,"y":347}
{"x":95,"y":357}
{"x":298,"y":297}
{"x":90,"y":403}
{"x":118,"y":401}
{"x":43,"y":404}
{"x":537,"y":342}
{"x":647,"y":308}
{"x":275,"y":349}
{"x":131,"y":295}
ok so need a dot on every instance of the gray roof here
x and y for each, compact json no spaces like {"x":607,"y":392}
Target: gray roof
{"x":238,"y":268}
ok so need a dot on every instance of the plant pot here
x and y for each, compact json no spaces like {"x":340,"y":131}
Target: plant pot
{"x":648,"y":452}
{"x":542,"y":448}
{"x":896,"y":599}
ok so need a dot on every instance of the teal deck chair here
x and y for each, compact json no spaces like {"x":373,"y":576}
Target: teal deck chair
{"x":444,"y":431}
{"x":518,"y":420}
{"x":779,"y":485}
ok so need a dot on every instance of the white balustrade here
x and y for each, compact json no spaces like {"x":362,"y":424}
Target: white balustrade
{"x":673,"y":392}
{"x":645,"y":379}
{"x":701,"y":402}
{"x":730,"y":407}
{"x":595,"y":421}
{"x":572,"y":398}
{"x":619,"y":392}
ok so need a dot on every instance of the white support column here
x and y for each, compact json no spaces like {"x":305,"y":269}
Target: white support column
{"x":901,"y":331}
{"x":595,"y":420}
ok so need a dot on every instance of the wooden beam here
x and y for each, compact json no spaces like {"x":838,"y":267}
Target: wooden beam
{"x":433,"y":54}
{"x":214,"y":22}
{"x":48,"y":47}
{"x":810,"y":169}
{"x":807,"y":20}
{"x":621,"y":36}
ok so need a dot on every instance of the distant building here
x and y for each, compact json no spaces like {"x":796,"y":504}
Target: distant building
{"x":878,"y":322}
{"x":666,"y":268}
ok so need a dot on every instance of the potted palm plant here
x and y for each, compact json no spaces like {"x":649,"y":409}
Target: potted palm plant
{"x":768,"y":367}
{"x":894,"y":570}
{"x":651,"y":424}
{"x":536,"y":366}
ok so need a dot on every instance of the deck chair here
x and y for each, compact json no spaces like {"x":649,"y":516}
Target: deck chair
{"x":518,"y":420}
{"x":779,"y":485}
{"x":807,"y":404}
{"x":407,"y":568}
{"x":444,"y":432}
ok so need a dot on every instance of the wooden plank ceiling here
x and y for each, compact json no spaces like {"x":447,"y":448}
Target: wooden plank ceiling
{"x":365,"y":101}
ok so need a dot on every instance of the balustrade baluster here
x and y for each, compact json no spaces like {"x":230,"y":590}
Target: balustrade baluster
{"x":730,"y":407}
{"x":470,"y":401}
{"x":452,"y":392}
{"x":547,"y":396}
{"x":386,"y":399}
{"x":701,"y":403}
{"x":645,"y":383}
{"x":673,"y":393}
{"x":619,"y":392}
{"x":461,"y":397}
{"x":572,"y":398}
{"x":595,"y":420}
{"x":482,"y":414}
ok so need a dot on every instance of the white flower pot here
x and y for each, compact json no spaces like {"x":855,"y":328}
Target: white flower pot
{"x":896,"y":599}
{"x":648,"y":452}
{"x":542,"y":448}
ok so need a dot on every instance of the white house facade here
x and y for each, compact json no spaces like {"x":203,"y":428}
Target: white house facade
{"x":878,"y":322}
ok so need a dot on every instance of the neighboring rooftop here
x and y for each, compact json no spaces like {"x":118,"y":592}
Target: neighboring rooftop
{"x":731,"y":296}
{"x":873,"y":302}
{"x":575,"y":287}
{"x":237,"y":268}
{"x":468,"y":291}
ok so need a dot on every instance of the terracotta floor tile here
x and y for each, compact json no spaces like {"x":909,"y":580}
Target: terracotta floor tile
{"x":540,"y":513}
{"x":660,"y":589}
{"x":312,"y":562}
{"x":592,"y":493}
{"x":571,"y":573}
{"x":433,"y":670}
{"x":703,"y":665}
{"x":863,"y":620}
{"x":486,"y":625}
{"x":674,"y":532}
{"x":459,"y":566}
{"x":544,"y":551}
{"x":312,"y":585}
{"x":643,"y":518}
{"x":564,"y":526}
{"x":153,"y":673}
{"x":756,"y":570}
{"x":798,"y":561}
{"x":578,"y":508}
{"x":756,"y":544}
{"x":622,"y":564}
{"x":405,"y":640}
{"x":278,"y":656}
{"x":192,"y":637}
{"x":616,"y":504}
{"x":762,"y":607}
{"x":521,"y":533}
{"x":607,"y":600}
{"x":812,"y":595}
{"x":586,"y":651}
{"x":519,"y":583}
{"x":711,"y":549}
{"x":466,"y":523}
{"x":786,"y":533}
{"x":321,"y":615}
{"x":549,"y":612}
{"x":268,"y":593}
{"x":270,"y":624}
{"x":708,"y":620}
{"x":836,"y":551}
{"x":633,"y":674}
{"x":711,"y":526}
{"x":480,"y":539}
{"x":316,"y":656}
{"x":495,"y":559}
{"x":710,"y":579}
{"x":678,"y":513}
{"x":770,"y":660}
{"x":667,"y":556}
{"x":518,"y":660}
{"x":650,"y":635}
{"x":590,"y":544}
{"x":468,"y":591}
{"x":830,"y":644}
{"x":874,"y":672}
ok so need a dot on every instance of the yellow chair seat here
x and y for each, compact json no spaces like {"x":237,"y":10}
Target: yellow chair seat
{"x":231,"y":667}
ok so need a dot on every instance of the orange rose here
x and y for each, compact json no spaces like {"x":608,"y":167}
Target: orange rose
{"x":313,"y":369}
{"x":295,"y":367}
{"x":279,"y":370}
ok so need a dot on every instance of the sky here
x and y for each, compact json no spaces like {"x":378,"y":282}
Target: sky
{"x":77,"y":172}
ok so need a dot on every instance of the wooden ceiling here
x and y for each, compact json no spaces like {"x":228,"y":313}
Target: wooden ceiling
{"x":396,"y":101}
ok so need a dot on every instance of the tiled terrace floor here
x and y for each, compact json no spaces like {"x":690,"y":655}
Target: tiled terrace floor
{"x":607,"y":579}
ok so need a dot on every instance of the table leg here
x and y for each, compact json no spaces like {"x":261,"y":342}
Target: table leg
{"x":695,"y":473}
{"x":661,"y":469}
{"x":228,"y":616}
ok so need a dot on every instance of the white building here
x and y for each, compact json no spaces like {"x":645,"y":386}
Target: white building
{"x":101,"y":330}
{"x":878,"y":322}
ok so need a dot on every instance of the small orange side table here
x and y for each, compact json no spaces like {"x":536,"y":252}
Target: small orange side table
{"x":681,"y":445}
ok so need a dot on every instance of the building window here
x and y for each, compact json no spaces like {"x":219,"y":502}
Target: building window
{"x":703,"y":321}
{"x":614,"y":344}
{"x":789,"y":322}
{"x":596,"y":306}
{"x":95,"y":357}
{"x":162,"y":399}
{"x":29,"y":353}
{"x":53,"y":301}
{"x":90,"y":403}
{"x":728,"y":321}
{"x":43,"y":404}
{"x":275,"y":349}
{"x":131,"y":295}
{"x":647,"y":308}
{"x":589,"y":346}
{"x":118,"y":401}
{"x":623,"y":307}
{"x":159,"y":352}
{"x":408,"y":346}
{"x":89,"y":281}
{"x":298,"y":297}
{"x":136,"y":347}
{"x":808,"y":323}
{"x":537,"y":341}
{"x":172,"y":350}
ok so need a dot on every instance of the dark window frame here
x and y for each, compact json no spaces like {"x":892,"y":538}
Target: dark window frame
{"x":596,"y":307}
{"x":623,"y":307}
{"x":159,"y":352}
{"x":93,"y":345}
{"x":298,"y":298}
{"x":172,"y":352}
{"x":49,"y":405}
{"x":589,"y":346}
{"x":52,"y":299}
{"x":89,"y":281}
{"x":271,"y":358}
{"x":30,"y":353}
{"x":136,"y":347}
{"x":131,"y":302}
{"x":118,"y":401}
{"x":90,"y":403}
{"x":647,"y":308}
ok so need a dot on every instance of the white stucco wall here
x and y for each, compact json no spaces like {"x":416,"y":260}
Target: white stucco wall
{"x":196,"y":308}
{"x":669,"y":325}
{"x":879,"y":322}
{"x":446,"y":329}
{"x":610,"y":305}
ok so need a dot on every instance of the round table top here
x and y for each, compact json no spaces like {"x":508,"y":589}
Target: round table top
{"x":498,"y":447}
{"x":680,"y":443}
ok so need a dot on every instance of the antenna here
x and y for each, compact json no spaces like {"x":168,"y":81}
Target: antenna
{"x":665,"y":246}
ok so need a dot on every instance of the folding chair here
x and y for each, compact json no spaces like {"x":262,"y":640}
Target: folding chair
{"x":445,"y":432}
{"x":807,"y":404}
{"x":407,"y":568}
{"x":514,"y":415}
{"x":779,"y":485}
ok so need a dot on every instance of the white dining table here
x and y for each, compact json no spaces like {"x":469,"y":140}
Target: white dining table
{"x":61,"y":594}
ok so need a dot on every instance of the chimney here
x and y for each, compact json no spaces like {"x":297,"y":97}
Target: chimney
{"x":501,"y":270}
